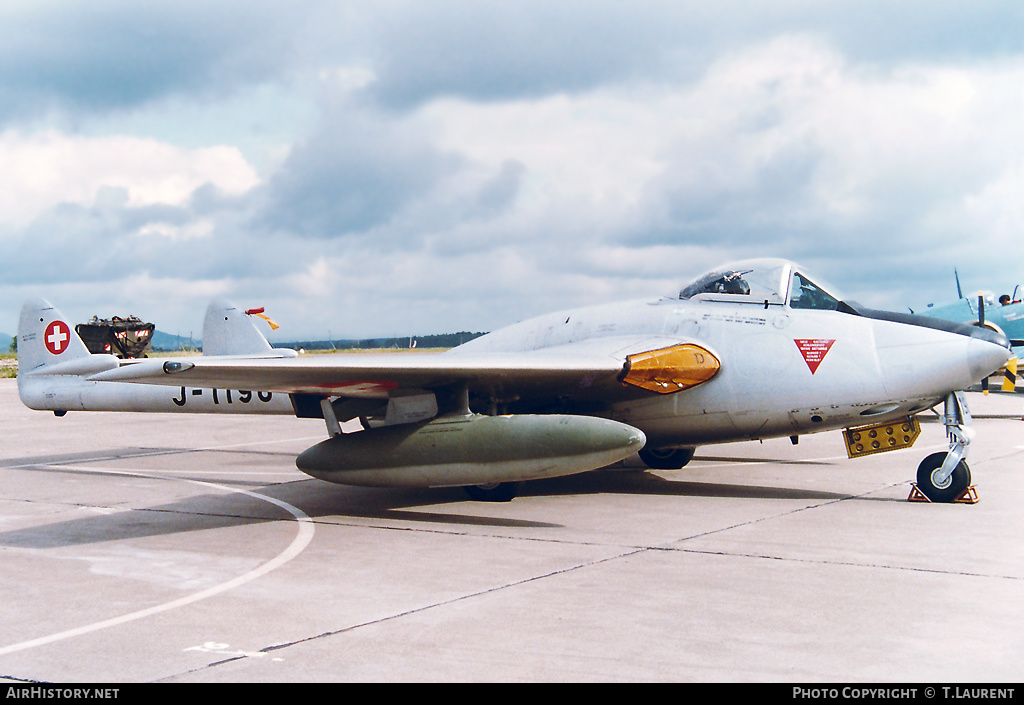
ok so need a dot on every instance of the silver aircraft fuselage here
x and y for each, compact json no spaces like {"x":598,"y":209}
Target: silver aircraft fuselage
{"x":784,"y":371}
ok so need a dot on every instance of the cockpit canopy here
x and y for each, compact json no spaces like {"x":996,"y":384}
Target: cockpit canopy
{"x":762,"y":281}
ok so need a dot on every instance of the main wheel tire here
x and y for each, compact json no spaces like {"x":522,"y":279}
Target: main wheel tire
{"x":954,"y":486}
{"x":497,"y":492}
{"x":666,"y":458}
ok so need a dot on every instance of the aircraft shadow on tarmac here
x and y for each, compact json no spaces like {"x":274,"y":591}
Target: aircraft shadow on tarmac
{"x":333,"y":503}
{"x":646,"y":483}
{"x":116,"y":521}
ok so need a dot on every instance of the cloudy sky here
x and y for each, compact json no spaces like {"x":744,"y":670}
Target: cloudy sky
{"x":391,"y":167}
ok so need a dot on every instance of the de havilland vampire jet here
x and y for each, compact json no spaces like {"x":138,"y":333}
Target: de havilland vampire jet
{"x":755,"y":350}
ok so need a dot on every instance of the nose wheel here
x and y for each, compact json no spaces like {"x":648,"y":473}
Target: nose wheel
{"x":945,"y":477}
{"x":939,"y":486}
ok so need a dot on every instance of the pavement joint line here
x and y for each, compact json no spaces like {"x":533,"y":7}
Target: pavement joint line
{"x":168,"y":474}
{"x":155,"y":453}
{"x":425,"y":608}
{"x":849,"y":564}
{"x":149,"y":474}
{"x":684,"y":549}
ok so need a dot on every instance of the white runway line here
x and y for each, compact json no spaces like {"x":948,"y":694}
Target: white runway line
{"x":298,"y":544}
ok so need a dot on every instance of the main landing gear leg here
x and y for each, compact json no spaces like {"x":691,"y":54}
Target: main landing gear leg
{"x":945,"y":477}
{"x":496,"y":492}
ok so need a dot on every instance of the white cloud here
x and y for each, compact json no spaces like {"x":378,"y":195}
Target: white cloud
{"x":481,"y":167}
{"x":170,"y":231}
{"x":44,"y":169}
{"x":873,"y":135}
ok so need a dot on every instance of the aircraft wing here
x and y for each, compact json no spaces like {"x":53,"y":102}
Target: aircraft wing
{"x":564,"y":369}
{"x":371,"y":375}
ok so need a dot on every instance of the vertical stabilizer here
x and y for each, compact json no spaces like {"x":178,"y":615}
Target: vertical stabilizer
{"x":45,"y":337}
{"x":228,"y":330}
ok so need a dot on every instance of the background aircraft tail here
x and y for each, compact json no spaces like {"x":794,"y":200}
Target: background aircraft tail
{"x":46,"y":338}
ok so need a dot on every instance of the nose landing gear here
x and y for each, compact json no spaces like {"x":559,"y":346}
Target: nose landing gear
{"x":945,"y":477}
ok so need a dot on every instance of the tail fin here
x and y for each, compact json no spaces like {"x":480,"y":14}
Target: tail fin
{"x":45,"y":338}
{"x":227,"y":330}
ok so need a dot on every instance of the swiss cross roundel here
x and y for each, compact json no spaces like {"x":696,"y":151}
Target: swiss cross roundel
{"x":57,"y":337}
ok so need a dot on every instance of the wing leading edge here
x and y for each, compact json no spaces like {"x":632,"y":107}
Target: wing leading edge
{"x":564,"y":369}
{"x":371,"y":375}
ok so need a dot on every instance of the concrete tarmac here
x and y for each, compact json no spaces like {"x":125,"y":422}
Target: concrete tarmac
{"x":174,"y":548}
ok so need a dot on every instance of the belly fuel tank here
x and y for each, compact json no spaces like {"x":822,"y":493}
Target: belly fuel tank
{"x":471,"y":450}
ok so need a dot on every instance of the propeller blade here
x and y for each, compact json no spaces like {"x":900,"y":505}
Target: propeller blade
{"x":981,"y":324}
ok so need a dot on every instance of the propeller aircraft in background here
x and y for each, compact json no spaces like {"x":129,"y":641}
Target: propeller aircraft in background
{"x":1005,"y":315}
{"x":754,"y":350}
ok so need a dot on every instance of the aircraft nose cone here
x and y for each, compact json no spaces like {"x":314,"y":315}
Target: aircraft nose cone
{"x":986,"y":356}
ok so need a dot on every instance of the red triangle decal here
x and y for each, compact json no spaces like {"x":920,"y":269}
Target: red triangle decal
{"x":814,"y":351}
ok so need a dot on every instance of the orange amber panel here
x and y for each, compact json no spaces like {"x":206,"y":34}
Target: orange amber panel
{"x":671,"y":369}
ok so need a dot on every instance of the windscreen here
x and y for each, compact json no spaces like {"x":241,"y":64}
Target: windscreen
{"x":807,"y":295}
{"x":755,"y":281}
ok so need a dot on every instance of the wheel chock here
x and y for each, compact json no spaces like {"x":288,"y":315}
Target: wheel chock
{"x":917,"y":495}
{"x":969,"y":496}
